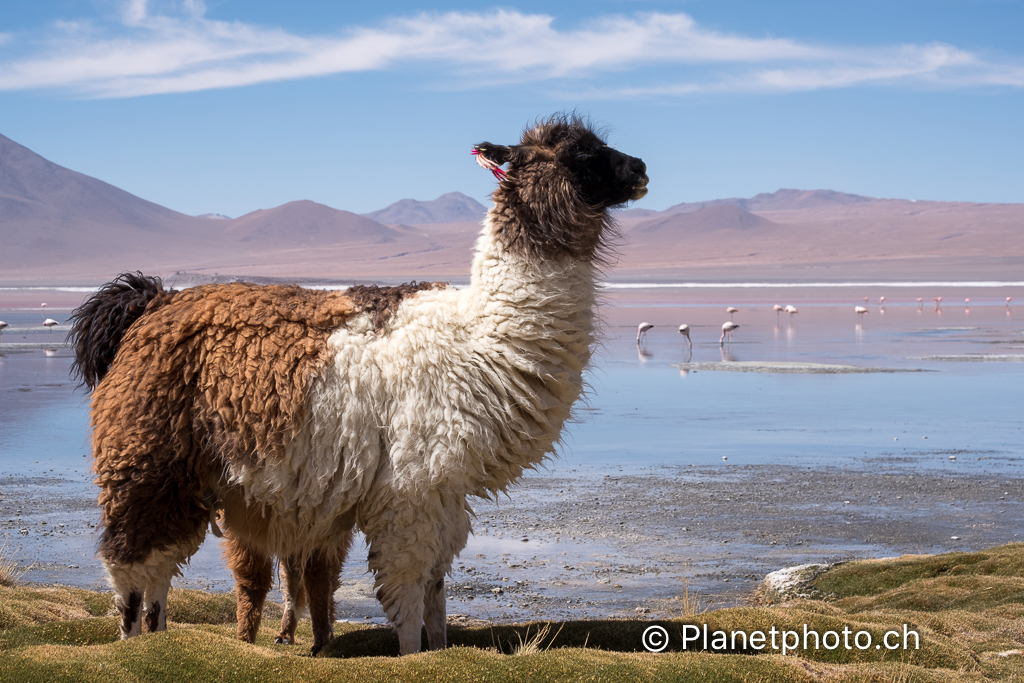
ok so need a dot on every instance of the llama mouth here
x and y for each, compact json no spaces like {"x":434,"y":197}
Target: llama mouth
{"x":639,"y":191}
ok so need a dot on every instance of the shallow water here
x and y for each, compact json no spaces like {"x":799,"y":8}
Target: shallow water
{"x":646,"y":423}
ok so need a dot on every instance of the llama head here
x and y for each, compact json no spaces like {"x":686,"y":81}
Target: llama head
{"x":562,"y":178}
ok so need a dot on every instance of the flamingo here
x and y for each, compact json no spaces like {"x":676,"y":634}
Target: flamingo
{"x":791,"y":309}
{"x":778,"y":309}
{"x":50,"y":323}
{"x":641,"y":331}
{"x":727,"y":330}
{"x":881,"y":301}
{"x":731,"y":310}
{"x":938,"y":302}
{"x":1008,"y":300}
{"x":684,"y":330}
{"x":860,"y":310}
{"x":2,"y":326}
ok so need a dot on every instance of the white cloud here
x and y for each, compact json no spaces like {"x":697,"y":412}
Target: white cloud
{"x":181,"y":50}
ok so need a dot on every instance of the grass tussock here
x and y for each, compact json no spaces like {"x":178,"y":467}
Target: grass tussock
{"x":10,"y":572}
{"x":967,"y":610}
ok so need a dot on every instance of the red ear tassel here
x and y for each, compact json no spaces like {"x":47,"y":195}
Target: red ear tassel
{"x":488,"y":164}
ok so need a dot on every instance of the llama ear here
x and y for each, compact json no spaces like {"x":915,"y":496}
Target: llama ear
{"x":492,"y":157}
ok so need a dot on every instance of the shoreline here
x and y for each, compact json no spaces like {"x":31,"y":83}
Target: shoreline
{"x":614,"y":543}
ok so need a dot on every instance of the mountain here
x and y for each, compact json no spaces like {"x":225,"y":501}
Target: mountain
{"x":49,"y":213}
{"x":781,"y":200}
{"x":453,"y":207}
{"x":305,"y":224}
{"x":60,"y":226}
{"x":708,"y":219}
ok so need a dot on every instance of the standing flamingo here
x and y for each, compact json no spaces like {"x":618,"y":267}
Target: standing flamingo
{"x":641,"y":331}
{"x":860,"y":310}
{"x":778,"y":309}
{"x":881,"y":301}
{"x":731,"y":310}
{"x":727,"y":330}
{"x":684,"y":330}
{"x":791,"y":309}
{"x":50,"y":323}
{"x":2,"y":326}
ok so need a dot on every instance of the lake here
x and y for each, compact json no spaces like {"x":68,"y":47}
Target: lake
{"x":702,"y":468}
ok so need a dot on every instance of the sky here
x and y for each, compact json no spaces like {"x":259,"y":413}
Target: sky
{"x":229,"y":106}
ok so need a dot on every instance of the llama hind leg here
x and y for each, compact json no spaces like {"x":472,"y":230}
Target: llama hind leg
{"x":144,"y":585}
{"x":154,"y":604}
{"x":128,"y":588}
{"x":294,"y":590}
{"x":253,"y":572}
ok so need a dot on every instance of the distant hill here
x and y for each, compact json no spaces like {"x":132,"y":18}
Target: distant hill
{"x":781,"y":200}
{"x":708,"y":219}
{"x":305,"y":223}
{"x":453,"y":207}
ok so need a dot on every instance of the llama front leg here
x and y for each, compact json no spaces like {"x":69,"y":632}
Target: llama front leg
{"x":410,"y":553}
{"x":455,"y":532}
{"x":253,"y":572}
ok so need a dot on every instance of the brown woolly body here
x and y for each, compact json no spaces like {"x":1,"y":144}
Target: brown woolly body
{"x":214,"y":374}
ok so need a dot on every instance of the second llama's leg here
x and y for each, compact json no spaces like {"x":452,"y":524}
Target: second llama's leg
{"x":320,"y":577}
{"x":253,"y":576}
{"x":294,"y":590}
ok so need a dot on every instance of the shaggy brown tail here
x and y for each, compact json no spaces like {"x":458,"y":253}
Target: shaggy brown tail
{"x":100,"y":323}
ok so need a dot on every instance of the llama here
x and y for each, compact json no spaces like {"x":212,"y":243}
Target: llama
{"x":300,"y":415}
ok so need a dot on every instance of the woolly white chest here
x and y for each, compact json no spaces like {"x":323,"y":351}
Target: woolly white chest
{"x":462,"y":392}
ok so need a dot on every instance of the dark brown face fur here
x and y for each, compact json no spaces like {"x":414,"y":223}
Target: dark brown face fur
{"x":562,"y":178}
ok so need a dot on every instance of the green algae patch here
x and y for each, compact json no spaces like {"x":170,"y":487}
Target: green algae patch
{"x":952,"y":617}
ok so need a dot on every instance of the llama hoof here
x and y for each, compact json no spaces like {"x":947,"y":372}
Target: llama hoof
{"x":282,"y":640}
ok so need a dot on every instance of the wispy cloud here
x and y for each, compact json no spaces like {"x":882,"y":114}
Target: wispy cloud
{"x":661,"y":54}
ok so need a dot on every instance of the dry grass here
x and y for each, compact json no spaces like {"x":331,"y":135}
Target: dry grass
{"x":10,"y":573}
{"x":690,"y":603}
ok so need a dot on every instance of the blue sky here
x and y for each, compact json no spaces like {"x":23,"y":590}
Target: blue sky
{"x":234,"y":105}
